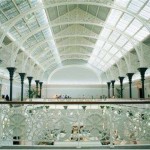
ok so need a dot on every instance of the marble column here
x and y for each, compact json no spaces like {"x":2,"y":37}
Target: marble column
{"x":108,"y":83}
{"x":41,"y":83}
{"x":11,"y":73}
{"x":130,"y":83}
{"x":113,"y":82}
{"x":121,"y":86}
{"x":30,"y":80}
{"x":22,"y":75}
{"x":142,"y":71}
{"x":37,"y":82}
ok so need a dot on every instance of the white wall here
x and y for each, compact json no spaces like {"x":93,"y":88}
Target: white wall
{"x":74,"y":75}
{"x":74,"y":91}
{"x":74,"y":81}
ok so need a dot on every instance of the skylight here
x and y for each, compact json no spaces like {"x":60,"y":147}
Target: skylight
{"x":28,"y":25}
{"x":124,"y":33}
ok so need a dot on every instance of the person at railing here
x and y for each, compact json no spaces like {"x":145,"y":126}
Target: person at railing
{"x":7,"y":98}
{"x":62,"y":97}
{"x":113,"y":97}
{"x":3,"y":96}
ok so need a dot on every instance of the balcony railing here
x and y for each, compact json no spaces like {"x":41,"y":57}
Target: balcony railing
{"x":76,"y":123}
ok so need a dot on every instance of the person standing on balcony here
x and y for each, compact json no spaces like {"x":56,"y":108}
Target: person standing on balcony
{"x":3,"y":96}
{"x":7,"y":98}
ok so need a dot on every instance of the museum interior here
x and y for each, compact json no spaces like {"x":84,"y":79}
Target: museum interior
{"x":74,"y":74}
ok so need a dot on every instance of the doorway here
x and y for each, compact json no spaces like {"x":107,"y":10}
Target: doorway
{"x":140,"y":92}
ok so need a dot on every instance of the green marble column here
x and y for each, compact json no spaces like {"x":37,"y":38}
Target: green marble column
{"x":22,"y":75}
{"x":11,"y":73}
{"x":130,"y":83}
{"x":30,"y":80}
{"x":121,"y":86}
{"x":41,"y":83}
{"x":142,"y":72}
{"x":37,"y":83}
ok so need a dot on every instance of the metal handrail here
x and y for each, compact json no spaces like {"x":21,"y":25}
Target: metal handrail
{"x":79,"y":102}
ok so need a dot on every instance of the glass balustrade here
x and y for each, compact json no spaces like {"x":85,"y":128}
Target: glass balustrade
{"x":79,"y":124}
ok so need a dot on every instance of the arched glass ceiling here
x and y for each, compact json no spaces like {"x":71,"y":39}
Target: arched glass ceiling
{"x":54,"y":32}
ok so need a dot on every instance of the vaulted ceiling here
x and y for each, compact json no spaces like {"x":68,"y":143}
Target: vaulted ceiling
{"x":39,"y":36}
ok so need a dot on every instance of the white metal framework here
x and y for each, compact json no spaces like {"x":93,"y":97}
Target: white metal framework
{"x":112,"y":36}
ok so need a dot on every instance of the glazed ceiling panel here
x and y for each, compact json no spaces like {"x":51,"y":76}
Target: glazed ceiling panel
{"x":73,"y":29}
{"x":76,"y":30}
{"x":75,"y":41}
{"x":74,"y":62}
{"x":75,"y":49}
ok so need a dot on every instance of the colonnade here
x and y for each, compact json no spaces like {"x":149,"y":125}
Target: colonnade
{"x":142,"y":71}
{"x":22,"y":77}
{"x":39,"y":84}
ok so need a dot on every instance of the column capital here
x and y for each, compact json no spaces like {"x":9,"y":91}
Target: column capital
{"x":121,"y":79}
{"x":130,"y":76}
{"x":22,"y":75}
{"x":108,"y":83}
{"x":37,"y":81}
{"x":142,"y":70}
{"x":41,"y":83}
{"x":11,"y":71}
{"x":113,"y":82}
{"x":29,"y":78}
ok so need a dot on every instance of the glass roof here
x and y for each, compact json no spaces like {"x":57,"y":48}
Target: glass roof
{"x":96,"y":33}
